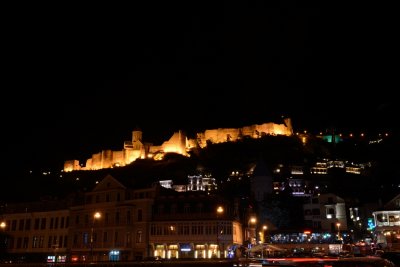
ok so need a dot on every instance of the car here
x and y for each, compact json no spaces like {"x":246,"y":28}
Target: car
{"x":393,"y":256}
{"x":365,"y":261}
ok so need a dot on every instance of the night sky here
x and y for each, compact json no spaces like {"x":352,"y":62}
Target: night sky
{"x":77,"y":81}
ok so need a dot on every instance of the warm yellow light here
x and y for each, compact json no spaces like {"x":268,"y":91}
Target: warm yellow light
{"x":220,"y":209}
{"x":253,"y":220}
{"x":97,"y":215}
{"x":265,"y":227}
{"x":3,"y":225}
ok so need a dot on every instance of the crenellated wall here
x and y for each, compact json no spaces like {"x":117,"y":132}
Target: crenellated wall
{"x":177,"y":143}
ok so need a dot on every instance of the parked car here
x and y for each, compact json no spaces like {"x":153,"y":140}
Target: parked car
{"x":366,"y":261}
{"x":393,"y":256}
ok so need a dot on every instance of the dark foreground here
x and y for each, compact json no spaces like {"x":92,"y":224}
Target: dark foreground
{"x":178,"y":263}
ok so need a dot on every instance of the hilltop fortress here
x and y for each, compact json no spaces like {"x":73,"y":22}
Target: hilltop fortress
{"x":178,"y":143}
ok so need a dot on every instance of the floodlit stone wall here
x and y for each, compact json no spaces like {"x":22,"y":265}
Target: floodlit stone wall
{"x":177,"y":143}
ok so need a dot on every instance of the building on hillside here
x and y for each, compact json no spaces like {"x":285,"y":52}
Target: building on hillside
{"x":326,"y":213}
{"x":387,"y":225}
{"x":178,"y":143}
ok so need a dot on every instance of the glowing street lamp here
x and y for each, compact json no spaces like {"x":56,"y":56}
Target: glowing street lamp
{"x":338,"y":231}
{"x":96,"y":216}
{"x":220,"y":211}
{"x":3,"y":225}
{"x":252,"y":229}
{"x":265,"y":233}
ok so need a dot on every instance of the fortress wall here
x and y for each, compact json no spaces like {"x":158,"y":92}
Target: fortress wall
{"x":118,"y":158}
{"x":96,"y":161}
{"x":154,"y":149}
{"x":176,"y":144}
{"x":131,"y":155}
{"x":227,"y":134}
{"x":288,"y":123}
{"x":89,"y":164}
{"x":201,"y":139}
{"x":266,"y":128}
{"x":71,"y":165}
{"x":106,"y":158}
{"x":248,"y":131}
{"x":190,"y":143}
{"x":211,"y":135}
{"x":137,"y":145}
{"x":281,"y":129}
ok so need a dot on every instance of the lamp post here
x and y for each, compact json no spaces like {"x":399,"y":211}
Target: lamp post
{"x":220,"y":210}
{"x":265,"y":234}
{"x":252,"y":229}
{"x":338,"y":230}
{"x":3,"y":239}
{"x":96,"y":216}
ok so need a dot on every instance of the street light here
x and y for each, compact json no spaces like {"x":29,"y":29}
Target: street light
{"x":338,"y":230}
{"x":252,"y":228}
{"x":96,"y":216}
{"x":3,"y":225}
{"x":265,"y":233}
{"x":220,"y":210}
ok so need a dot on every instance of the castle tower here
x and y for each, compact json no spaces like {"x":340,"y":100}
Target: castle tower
{"x":137,"y":135}
{"x":288,"y":123}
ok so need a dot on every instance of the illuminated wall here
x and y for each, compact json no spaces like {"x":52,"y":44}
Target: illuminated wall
{"x":178,"y":143}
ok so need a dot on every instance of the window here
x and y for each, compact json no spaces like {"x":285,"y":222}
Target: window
{"x":21,"y":225}
{"x":140,"y":215}
{"x":35,"y":242}
{"x":25,"y":242}
{"x":106,"y":218}
{"x":105,"y":237}
{"x":65,"y":241}
{"x":139,"y":235}
{"x":50,"y":242}
{"x":316,"y":212}
{"x":186,"y":208}
{"x":43,"y":224}
{"x":128,"y":239}
{"x":117,"y":217}
{"x":14,"y":225}
{"x":128,"y":217}
{"x":28,"y":224}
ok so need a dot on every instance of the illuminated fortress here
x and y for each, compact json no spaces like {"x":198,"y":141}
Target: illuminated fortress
{"x":178,"y":143}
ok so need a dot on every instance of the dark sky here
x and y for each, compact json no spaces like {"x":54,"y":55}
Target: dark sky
{"x":78,"y":80}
